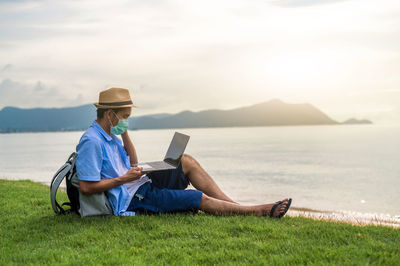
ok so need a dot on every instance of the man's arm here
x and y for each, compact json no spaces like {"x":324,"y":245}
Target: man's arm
{"x":91,"y":187}
{"x":130,"y":149}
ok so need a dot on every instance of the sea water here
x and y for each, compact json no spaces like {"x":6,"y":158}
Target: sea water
{"x":345,"y":168}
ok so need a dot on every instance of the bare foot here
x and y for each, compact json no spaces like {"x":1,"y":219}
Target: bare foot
{"x":265,"y":210}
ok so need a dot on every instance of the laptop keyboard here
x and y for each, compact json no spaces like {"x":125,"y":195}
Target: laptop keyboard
{"x":156,"y":165}
{"x":160,"y":164}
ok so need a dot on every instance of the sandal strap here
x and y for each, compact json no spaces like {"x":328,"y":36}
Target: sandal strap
{"x":286,"y":209}
{"x":271,"y":214}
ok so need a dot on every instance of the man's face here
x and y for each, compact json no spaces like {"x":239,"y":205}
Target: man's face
{"x":123,"y":113}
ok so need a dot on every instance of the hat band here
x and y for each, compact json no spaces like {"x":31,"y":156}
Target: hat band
{"x":116,"y":103}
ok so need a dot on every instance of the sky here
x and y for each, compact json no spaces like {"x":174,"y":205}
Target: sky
{"x":341,"y":56}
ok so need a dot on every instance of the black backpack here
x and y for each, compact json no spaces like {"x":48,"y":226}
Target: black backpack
{"x":68,"y":170}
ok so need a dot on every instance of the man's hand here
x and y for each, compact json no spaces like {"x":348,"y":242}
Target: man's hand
{"x":90,"y":187}
{"x":132,"y":174}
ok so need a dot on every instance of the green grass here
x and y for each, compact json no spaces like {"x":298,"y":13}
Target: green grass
{"x":32,"y":234}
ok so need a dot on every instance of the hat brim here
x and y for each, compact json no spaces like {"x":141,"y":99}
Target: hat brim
{"x":113,"y":106}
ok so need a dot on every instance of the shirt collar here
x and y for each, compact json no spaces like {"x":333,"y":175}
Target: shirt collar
{"x":101,"y":130}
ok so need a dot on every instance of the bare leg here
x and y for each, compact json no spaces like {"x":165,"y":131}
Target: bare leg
{"x":201,"y":180}
{"x":220,"y":207}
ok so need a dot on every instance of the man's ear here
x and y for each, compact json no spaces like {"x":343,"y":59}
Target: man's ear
{"x":108,"y":114}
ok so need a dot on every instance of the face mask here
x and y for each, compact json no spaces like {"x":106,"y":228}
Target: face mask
{"x":121,"y":127}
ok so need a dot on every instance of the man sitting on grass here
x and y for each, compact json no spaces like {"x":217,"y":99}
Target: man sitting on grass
{"x":104,"y":164}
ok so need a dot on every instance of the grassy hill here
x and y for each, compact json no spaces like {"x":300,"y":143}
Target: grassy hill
{"x":31,"y":233}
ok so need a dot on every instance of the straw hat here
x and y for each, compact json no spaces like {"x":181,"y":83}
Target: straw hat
{"x":114,"y":98}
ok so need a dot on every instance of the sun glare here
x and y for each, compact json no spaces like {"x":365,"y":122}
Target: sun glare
{"x":298,"y":69}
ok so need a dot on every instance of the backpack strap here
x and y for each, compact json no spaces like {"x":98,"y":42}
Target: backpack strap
{"x":65,"y":170}
{"x":72,"y":160}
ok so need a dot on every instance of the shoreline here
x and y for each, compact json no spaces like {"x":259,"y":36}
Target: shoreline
{"x":349,"y":217}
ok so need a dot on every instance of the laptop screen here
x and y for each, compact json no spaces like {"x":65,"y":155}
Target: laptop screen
{"x":176,"y":148}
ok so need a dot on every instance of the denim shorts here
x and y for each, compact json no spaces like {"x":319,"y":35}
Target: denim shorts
{"x":166,"y":193}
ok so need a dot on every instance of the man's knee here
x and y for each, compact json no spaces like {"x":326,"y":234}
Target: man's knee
{"x":186,"y":156}
{"x":188,"y":162}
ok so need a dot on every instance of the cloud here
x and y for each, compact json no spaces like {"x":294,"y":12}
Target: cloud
{"x":35,"y":95}
{"x":374,"y":92}
{"x":304,"y":3}
{"x":5,"y":68}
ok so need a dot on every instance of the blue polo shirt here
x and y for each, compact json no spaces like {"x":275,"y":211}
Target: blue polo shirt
{"x":101,"y":156}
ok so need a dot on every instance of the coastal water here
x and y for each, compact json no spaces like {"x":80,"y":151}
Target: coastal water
{"x":353,"y":168}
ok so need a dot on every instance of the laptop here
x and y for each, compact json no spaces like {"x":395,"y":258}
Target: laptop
{"x":171,"y":159}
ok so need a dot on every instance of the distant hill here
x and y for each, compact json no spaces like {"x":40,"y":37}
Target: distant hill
{"x":14,"y":119}
{"x":270,"y":113}
{"x":353,"y":121}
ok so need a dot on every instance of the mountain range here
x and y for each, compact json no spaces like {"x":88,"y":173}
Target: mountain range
{"x":270,"y":113}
